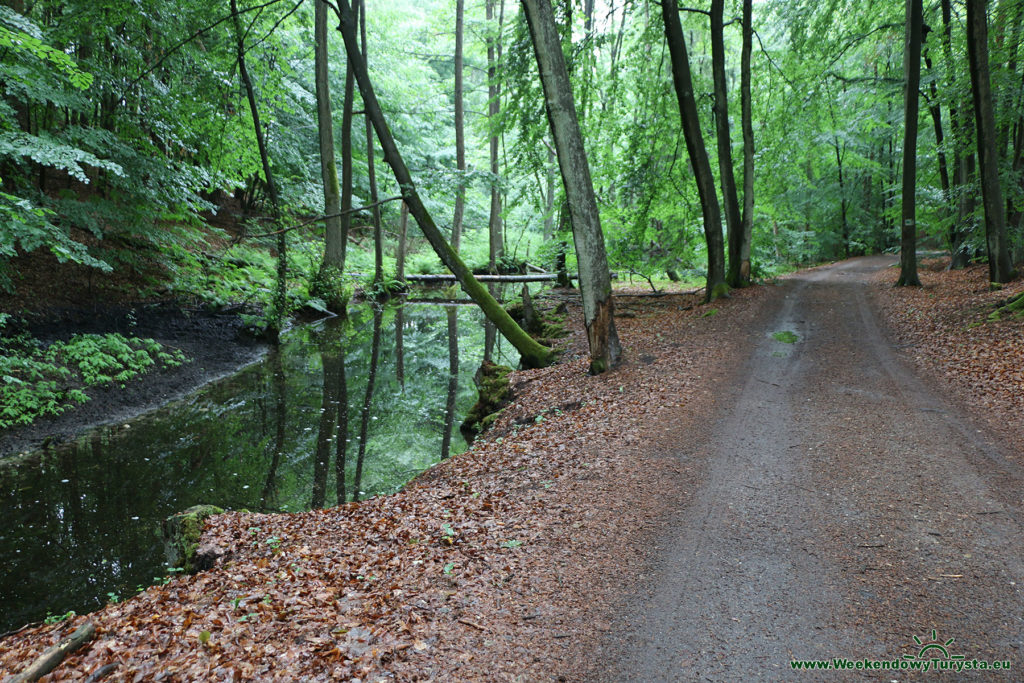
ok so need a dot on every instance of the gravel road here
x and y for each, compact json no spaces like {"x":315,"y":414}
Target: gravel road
{"x":846,"y":509}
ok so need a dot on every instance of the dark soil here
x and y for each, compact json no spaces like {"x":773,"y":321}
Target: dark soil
{"x":215,"y":343}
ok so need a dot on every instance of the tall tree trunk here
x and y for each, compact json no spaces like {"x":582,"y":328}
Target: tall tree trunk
{"x":371,"y":381}
{"x":716,"y":285}
{"x":347,"y":177}
{"x":935,"y":110}
{"x":327,"y":423}
{"x":334,"y":252}
{"x":460,"y":133}
{"x":378,"y":236}
{"x":341,"y":441}
{"x":403,"y":238}
{"x":400,"y":346}
{"x":999,"y":267}
{"x":533,"y":354}
{"x":748,"y":147}
{"x":961,"y":176}
{"x":453,"y":380}
{"x":277,"y":318}
{"x":911,"y":83}
{"x":595,"y":278}
{"x":549,"y":197}
{"x":494,"y":226}
{"x":733,"y":222}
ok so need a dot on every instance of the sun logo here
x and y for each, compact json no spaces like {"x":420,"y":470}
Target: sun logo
{"x":933,"y":649}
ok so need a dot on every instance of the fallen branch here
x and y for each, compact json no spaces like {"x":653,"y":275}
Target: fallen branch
{"x":101,"y":673}
{"x":51,"y":659}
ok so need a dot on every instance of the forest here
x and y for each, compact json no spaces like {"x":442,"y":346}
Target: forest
{"x":368,"y":214}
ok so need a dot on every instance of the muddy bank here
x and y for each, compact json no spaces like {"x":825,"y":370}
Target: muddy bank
{"x":215,"y":343}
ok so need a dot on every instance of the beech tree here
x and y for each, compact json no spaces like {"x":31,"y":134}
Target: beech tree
{"x":999,"y":268}
{"x":733,"y":221}
{"x":334,"y":238}
{"x":460,"y":129}
{"x":716,"y":285}
{"x":595,"y":278}
{"x":912,"y":81}
{"x":746,"y":115}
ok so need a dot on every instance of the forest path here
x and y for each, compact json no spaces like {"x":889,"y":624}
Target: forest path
{"x":844,"y":508}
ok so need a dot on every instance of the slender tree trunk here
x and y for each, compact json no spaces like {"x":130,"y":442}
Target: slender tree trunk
{"x":533,"y":354}
{"x":999,"y":267}
{"x":400,"y":346}
{"x":935,"y":110}
{"x":840,"y":150}
{"x":494,"y":226}
{"x":716,"y":285}
{"x":549,"y":197}
{"x":327,"y":424}
{"x":460,"y":133}
{"x":911,"y":83}
{"x":453,"y":380}
{"x":378,"y":236}
{"x":748,"y":147}
{"x":733,"y":222}
{"x":277,"y":320}
{"x":347,"y":177}
{"x":595,"y":278}
{"x":961,"y":177}
{"x":341,"y":441}
{"x":403,"y":236}
{"x":364,"y":424}
{"x":334,"y":253}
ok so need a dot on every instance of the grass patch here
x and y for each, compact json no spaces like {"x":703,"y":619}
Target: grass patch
{"x":786,"y":337}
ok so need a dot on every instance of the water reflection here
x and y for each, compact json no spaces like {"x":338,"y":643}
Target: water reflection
{"x":82,"y":520}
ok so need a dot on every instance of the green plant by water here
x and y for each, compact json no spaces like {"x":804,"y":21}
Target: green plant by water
{"x":38,"y":379}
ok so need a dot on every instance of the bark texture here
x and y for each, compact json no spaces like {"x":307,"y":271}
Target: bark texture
{"x":911,"y":83}
{"x":494,"y":223}
{"x":716,"y":285}
{"x":999,"y":268}
{"x":733,"y":222}
{"x":748,"y":145}
{"x":334,"y":246}
{"x":595,"y":278}
{"x":460,"y":131}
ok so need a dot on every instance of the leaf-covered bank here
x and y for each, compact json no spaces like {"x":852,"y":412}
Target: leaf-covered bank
{"x":945,"y":327}
{"x":497,"y":564}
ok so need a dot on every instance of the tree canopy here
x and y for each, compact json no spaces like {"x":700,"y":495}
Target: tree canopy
{"x":126,"y":143}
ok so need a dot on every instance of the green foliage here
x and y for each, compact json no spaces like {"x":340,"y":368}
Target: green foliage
{"x":47,"y":380}
{"x":786,"y":337}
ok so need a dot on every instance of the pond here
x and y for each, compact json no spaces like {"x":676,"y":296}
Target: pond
{"x":81,"y":521}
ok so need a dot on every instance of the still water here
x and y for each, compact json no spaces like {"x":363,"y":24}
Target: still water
{"x":81,"y":521}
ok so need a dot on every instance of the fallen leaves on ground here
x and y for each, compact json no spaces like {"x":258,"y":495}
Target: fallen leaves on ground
{"x":498,"y":564}
{"x":944,"y":326}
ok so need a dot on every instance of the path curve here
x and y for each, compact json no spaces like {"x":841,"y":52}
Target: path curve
{"x":845,"y":509}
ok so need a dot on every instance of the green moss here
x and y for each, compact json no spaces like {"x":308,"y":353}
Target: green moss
{"x":493,"y":394}
{"x":182,"y":532}
{"x":718,"y":291}
{"x":786,"y":337}
{"x":1014,"y":306}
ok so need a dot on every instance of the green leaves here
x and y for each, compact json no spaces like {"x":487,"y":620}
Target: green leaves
{"x":45,"y":150}
{"x":22,"y":36}
{"x":37,"y":381}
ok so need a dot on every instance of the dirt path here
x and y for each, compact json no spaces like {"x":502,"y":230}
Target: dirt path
{"x":845,"y":508}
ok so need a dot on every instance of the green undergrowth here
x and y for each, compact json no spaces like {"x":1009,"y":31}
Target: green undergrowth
{"x":786,"y":337}
{"x":38,"y":379}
